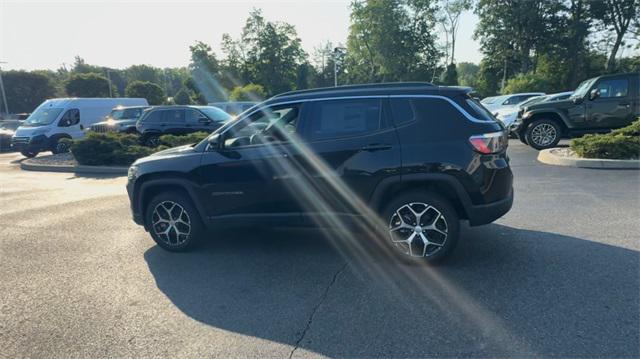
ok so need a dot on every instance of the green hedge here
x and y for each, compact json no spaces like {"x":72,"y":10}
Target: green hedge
{"x":175,"y":141}
{"x":109,"y":149}
{"x":623,"y":143}
{"x":119,"y":149}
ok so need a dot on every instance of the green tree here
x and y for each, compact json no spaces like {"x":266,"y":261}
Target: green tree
{"x":528,"y":83}
{"x":512,"y":31}
{"x":467,"y":73}
{"x":392,"y":40}
{"x":249,"y":92}
{"x":182,"y":97}
{"x":618,"y":17}
{"x":204,"y":69}
{"x":273,"y":52}
{"x":152,"y":92}
{"x":26,"y":90}
{"x":144,"y":73}
{"x":88,"y":85}
{"x":450,"y":76}
{"x":449,"y":18}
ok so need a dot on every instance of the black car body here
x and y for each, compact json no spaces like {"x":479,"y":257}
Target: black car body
{"x":346,"y":152}
{"x":178,"y":120}
{"x":598,"y":105}
{"x":121,"y":119}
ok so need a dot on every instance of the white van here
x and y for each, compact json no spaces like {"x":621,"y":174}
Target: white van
{"x":63,"y":118}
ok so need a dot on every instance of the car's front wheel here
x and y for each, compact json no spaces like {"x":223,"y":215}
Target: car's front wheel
{"x":542,"y":134}
{"x":174,"y":222}
{"x":422,"y":226}
{"x":151,"y":140}
{"x":59,"y":147}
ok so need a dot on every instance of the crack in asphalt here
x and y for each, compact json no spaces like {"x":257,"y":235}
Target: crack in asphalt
{"x":315,"y":309}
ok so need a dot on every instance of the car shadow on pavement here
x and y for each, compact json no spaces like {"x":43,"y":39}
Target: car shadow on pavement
{"x":504,"y":292}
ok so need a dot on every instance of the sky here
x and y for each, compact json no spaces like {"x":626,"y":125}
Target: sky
{"x":117,"y":34}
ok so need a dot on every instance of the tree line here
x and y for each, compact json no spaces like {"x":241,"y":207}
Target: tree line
{"x":541,"y":45}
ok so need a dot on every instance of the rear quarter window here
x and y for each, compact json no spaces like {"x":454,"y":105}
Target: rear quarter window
{"x":437,"y":119}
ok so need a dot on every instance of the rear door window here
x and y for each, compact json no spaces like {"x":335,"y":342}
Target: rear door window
{"x":344,"y":118}
{"x":173,"y":116}
{"x":154,"y":117}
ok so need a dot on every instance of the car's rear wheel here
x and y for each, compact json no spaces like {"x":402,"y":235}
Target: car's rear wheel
{"x":542,"y":134}
{"x":421,"y":226}
{"x":174,"y":222}
{"x":29,"y":154}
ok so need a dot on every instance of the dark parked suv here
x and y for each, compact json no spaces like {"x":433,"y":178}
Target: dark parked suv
{"x":409,"y":160}
{"x":598,"y":105}
{"x":178,"y":120}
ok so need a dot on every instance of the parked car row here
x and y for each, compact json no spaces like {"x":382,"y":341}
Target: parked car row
{"x":598,"y":105}
{"x":56,"y":119}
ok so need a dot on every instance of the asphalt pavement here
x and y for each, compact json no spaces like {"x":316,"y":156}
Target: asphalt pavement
{"x":558,"y":276}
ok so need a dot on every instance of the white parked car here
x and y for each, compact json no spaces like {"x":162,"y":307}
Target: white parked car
{"x":495,"y":103}
{"x":60,"y":118}
{"x":508,"y":115}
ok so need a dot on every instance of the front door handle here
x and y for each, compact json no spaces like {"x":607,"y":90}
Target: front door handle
{"x":375,"y":147}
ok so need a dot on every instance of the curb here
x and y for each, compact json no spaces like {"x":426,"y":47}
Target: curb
{"x":26,"y":165}
{"x":548,"y":157}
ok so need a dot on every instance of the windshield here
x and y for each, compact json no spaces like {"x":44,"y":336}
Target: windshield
{"x":215,"y":114}
{"x":43,"y":116}
{"x":125,"y":113}
{"x":533,"y":100}
{"x":583,"y":88}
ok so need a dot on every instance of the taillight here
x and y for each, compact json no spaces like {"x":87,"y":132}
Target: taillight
{"x":488,"y":143}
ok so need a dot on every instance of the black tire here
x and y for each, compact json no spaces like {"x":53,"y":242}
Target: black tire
{"x":58,"y":147}
{"x":449,"y":222}
{"x":29,"y":153}
{"x":543,"y":134}
{"x":151,"y":140}
{"x":172,"y":241}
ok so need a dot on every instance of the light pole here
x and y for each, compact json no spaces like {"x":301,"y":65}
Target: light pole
{"x":337,"y":51}
{"x":4,"y":95}
{"x":109,"y":78}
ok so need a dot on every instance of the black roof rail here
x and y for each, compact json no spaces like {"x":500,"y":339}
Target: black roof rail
{"x":384,"y":85}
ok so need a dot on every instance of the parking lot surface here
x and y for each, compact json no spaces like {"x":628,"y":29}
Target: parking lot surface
{"x":558,"y":276}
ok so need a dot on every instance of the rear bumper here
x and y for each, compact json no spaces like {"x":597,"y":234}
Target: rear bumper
{"x":487,"y":213}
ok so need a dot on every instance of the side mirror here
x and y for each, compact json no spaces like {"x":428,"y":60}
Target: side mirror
{"x":215,"y":141}
{"x":594,"y":94}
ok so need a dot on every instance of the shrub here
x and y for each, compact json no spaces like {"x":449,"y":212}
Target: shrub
{"x":623,"y":143}
{"x":175,"y":141}
{"x":109,"y":149}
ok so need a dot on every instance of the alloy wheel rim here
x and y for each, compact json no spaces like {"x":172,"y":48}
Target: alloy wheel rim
{"x":61,"y":148}
{"x":418,"y":229}
{"x":153,"y":141}
{"x":543,"y":134}
{"x":171,"y":223}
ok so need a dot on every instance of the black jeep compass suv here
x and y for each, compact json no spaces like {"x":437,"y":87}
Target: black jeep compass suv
{"x":408,"y":159}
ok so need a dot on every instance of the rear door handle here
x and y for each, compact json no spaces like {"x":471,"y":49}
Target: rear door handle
{"x":375,"y":147}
